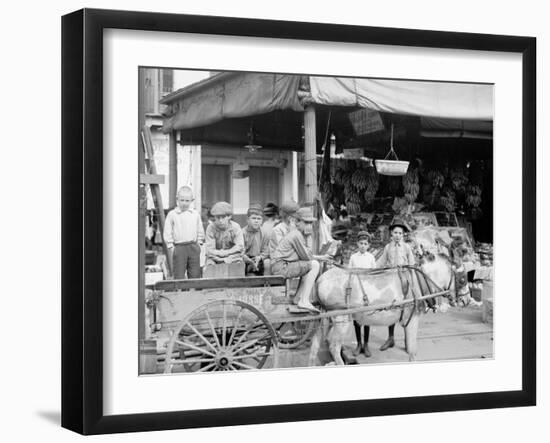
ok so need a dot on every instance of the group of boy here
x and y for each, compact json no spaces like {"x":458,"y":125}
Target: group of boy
{"x":266,"y":244}
{"x":269,"y":245}
{"x":396,"y":253}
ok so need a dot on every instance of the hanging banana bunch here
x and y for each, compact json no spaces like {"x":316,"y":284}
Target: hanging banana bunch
{"x":410,"y":185}
{"x":474,"y":190}
{"x":458,"y":179}
{"x":371,"y":187}
{"x":448,"y":199}
{"x":339,"y":177}
{"x":437,"y":178}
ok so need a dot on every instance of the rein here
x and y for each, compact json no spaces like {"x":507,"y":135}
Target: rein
{"x":428,"y":281}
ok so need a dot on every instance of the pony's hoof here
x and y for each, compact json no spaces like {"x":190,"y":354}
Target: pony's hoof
{"x":357,"y":350}
{"x":367,"y":352}
{"x":412,"y":357}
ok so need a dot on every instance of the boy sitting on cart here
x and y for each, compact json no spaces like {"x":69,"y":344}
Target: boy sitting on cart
{"x":256,"y":255}
{"x":292,"y":258}
{"x":224,"y":237}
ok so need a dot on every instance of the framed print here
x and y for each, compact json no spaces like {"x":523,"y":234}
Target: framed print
{"x":259,"y":217}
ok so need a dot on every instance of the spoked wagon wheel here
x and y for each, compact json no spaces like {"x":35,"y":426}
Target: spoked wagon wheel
{"x":294,"y":334}
{"x":223,"y":335}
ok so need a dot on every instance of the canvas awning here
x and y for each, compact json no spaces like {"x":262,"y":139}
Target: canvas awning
{"x":237,"y":95}
{"x":465,"y":101}
{"x":228,"y":96}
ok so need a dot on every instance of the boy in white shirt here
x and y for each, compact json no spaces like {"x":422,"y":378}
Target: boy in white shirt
{"x":362,"y":259}
{"x":184,"y":235}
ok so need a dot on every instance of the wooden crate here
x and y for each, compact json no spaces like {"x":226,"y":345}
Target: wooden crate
{"x":487,"y":299}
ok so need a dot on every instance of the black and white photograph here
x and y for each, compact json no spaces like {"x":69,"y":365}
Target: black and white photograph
{"x":292,"y":220}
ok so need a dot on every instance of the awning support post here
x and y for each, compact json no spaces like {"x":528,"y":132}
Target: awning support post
{"x":172,"y":168}
{"x":310,"y":149}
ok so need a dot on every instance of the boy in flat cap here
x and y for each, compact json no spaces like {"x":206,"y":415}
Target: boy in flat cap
{"x":255,"y":242}
{"x":184,"y":234}
{"x":396,"y":253}
{"x":271,"y":218}
{"x":288,"y":221}
{"x":224,"y":237}
{"x":292,"y":258}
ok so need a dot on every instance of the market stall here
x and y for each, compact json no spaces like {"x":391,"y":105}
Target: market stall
{"x":443,"y":130}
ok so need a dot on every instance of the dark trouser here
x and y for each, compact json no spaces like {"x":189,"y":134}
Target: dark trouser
{"x":187,"y":257}
{"x":251,"y":270}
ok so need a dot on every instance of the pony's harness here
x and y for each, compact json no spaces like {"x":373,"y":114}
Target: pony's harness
{"x":424,"y":281}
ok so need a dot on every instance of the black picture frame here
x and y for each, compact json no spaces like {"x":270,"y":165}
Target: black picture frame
{"x":82,"y":220}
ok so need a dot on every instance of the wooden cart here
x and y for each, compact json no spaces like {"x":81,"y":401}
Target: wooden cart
{"x":228,"y":324}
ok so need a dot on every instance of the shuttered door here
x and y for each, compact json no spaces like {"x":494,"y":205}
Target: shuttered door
{"x":264,"y":185}
{"x":215,"y":185}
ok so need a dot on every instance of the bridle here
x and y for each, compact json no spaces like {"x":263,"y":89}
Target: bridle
{"x":459,"y":278}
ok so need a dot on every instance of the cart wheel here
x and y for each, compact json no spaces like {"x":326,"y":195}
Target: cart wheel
{"x":293,"y":334}
{"x":223,"y":335}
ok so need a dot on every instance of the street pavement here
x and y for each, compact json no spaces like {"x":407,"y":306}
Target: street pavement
{"x":458,"y":333}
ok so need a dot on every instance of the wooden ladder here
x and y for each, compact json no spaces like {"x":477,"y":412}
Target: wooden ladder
{"x":153,"y":179}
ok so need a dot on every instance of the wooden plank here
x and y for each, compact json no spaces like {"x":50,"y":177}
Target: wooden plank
{"x":224,"y":270}
{"x":212,"y":283}
{"x":151,"y":179}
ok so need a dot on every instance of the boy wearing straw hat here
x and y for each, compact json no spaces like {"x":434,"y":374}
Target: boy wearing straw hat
{"x":396,"y":253}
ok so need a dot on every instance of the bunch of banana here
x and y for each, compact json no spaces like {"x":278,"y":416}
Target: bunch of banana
{"x":326,"y":190}
{"x":371,"y":187}
{"x":353,"y":207}
{"x":410,"y":185}
{"x":448,"y":200}
{"x":458,"y":179}
{"x":437,"y":178}
{"x":339,"y":177}
{"x":359,"y":179}
{"x":473,"y":198}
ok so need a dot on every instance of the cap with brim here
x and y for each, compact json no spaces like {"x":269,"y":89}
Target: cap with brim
{"x":254,"y":209}
{"x":339,"y":230}
{"x":221,"y":208}
{"x":289,"y":208}
{"x":401,"y":224}
{"x":363,"y":235}
{"x":270,"y":210}
{"x":305,"y":214}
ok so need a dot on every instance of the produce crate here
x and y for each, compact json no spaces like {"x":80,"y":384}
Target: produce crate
{"x":487,"y":311}
{"x":487,"y":299}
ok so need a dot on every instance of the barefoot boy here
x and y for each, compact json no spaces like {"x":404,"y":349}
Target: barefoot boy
{"x":292,"y":258}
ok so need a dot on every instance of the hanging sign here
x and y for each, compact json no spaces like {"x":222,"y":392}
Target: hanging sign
{"x":366,"y":121}
{"x":355,"y":153}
